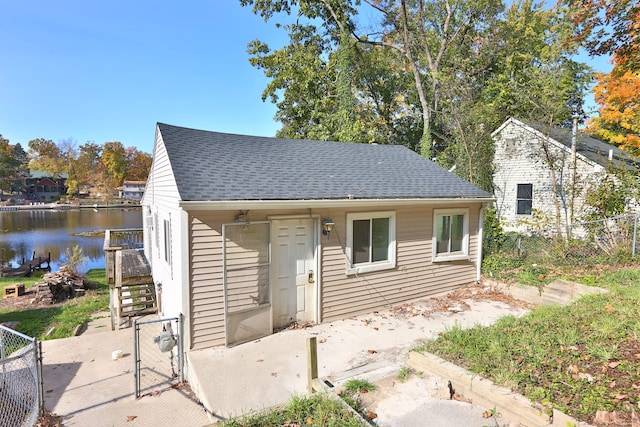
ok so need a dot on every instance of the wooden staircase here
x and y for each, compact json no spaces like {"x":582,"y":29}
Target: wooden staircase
{"x":137,"y":299}
{"x":133,"y":292}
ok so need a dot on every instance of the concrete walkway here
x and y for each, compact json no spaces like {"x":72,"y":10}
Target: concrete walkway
{"x":86,"y":386}
{"x":267,"y":372}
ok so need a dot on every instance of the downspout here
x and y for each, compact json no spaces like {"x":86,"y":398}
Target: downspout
{"x":480,"y":231}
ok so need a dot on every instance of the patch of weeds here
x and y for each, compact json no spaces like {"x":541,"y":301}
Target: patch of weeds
{"x":534,"y":275}
{"x":404,"y":374}
{"x":496,"y":264}
{"x":358,"y":385}
{"x":316,"y":410}
{"x":492,"y":413}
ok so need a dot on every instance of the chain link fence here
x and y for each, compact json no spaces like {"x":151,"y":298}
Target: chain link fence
{"x":157,"y":354}
{"x":610,"y":240}
{"x":21,"y":392}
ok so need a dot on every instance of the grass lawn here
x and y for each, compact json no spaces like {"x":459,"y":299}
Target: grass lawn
{"x":580,"y":359}
{"x":36,"y":322}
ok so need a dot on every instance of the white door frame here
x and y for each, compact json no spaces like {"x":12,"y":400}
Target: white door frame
{"x":316,"y":257}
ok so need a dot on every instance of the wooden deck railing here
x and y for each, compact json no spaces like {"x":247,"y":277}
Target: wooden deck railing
{"x":127,"y":238}
{"x":115,"y":240}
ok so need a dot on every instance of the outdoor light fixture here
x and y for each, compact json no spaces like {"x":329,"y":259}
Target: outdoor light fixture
{"x":327,"y":227}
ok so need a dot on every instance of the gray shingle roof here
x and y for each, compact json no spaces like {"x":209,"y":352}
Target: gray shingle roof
{"x":592,"y":148}
{"x":213,"y":166}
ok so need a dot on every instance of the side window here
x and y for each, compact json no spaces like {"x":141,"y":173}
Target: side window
{"x":157,"y":230}
{"x":371,"y":241}
{"x":167,"y":241}
{"x":524,"y":199}
{"x":450,"y":234}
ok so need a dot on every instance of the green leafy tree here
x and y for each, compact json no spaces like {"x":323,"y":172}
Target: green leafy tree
{"x":115,"y":163}
{"x":611,"y":195}
{"x":46,"y":156}
{"x":13,"y":166}
{"x":89,"y":164}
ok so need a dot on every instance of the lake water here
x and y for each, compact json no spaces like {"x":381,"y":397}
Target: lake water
{"x":49,"y":231}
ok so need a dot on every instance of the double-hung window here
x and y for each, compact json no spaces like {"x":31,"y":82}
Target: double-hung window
{"x":524,"y":199}
{"x":451,"y":234}
{"x":371,"y":241}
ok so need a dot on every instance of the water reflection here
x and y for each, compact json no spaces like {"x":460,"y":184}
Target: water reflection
{"x":47,"y":231}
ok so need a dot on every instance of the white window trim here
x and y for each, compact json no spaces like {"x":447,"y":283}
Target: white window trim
{"x":371,"y":266}
{"x":451,"y":256}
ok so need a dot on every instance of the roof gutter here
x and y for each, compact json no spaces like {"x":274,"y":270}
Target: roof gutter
{"x":328,"y":203}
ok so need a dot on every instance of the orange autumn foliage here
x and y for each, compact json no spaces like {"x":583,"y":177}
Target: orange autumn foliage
{"x":618,"y":122}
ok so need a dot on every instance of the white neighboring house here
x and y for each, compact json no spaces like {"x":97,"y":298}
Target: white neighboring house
{"x":524,"y":177}
{"x":133,"y":190}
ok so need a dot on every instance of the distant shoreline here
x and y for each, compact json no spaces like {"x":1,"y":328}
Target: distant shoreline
{"x":66,"y":207}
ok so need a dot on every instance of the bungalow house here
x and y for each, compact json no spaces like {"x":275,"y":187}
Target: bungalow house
{"x":132,"y":190}
{"x":543,"y":173}
{"x":42,"y":186}
{"x":248,"y":234}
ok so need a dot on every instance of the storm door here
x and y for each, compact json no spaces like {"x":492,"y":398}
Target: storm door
{"x":247,"y":294}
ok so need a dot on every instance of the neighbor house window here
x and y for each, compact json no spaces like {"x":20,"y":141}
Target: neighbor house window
{"x":451,"y":234}
{"x":371,"y":241}
{"x":524,"y":200}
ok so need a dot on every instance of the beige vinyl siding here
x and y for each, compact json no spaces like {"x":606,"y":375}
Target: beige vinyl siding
{"x":207,"y":296}
{"x":414,"y":277}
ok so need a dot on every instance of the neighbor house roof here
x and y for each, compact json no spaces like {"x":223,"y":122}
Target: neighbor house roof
{"x":213,"y":166}
{"x":592,"y":148}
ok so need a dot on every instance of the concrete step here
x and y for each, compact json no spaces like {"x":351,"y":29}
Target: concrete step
{"x":558,"y":292}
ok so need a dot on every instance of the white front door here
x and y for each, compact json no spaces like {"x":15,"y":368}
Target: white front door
{"x":293,"y":275}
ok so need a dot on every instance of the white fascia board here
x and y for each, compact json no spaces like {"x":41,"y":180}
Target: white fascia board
{"x":297,"y":204}
{"x":502,"y":126}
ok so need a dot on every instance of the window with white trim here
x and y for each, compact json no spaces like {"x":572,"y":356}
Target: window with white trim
{"x":450,"y":234}
{"x":371,"y":241}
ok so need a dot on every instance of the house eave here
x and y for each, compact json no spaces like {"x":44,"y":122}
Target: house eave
{"x":329,"y":203}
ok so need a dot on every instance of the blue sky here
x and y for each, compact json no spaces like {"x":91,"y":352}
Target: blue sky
{"x":109,"y":70}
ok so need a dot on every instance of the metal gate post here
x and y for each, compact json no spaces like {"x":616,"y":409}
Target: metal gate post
{"x":38,"y":353}
{"x":180,"y":347}
{"x":136,"y":362}
{"x":635,"y":235}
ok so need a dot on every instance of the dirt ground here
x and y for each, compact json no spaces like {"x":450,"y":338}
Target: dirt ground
{"x":25,"y":301}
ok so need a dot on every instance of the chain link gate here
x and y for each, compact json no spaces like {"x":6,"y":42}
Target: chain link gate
{"x":21,"y":389}
{"x":157,"y":354}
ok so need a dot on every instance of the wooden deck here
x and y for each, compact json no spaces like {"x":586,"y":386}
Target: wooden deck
{"x":28,"y":267}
